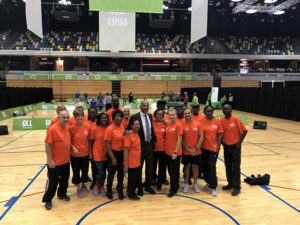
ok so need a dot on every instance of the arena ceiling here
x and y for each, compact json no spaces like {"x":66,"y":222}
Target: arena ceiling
{"x":223,"y":17}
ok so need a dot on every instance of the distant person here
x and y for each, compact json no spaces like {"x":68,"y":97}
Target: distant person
{"x":58,"y":160}
{"x":185,"y":98}
{"x":130,"y":97}
{"x":230,"y":99}
{"x":170,"y":95}
{"x":100,"y":100}
{"x":108,"y":100}
{"x":178,"y":97}
{"x":163,"y":94}
{"x":223,"y":100}
{"x":209,"y":98}
{"x":195,"y":99}
{"x":93,"y":103}
{"x":77,"y":96}
{"x":85,"y":95}
{"x":234,"y":134}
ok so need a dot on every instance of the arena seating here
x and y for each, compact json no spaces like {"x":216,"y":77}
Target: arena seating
{"x":259,"y":46}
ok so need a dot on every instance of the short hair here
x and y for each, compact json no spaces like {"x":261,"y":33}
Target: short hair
{"x":98,"y":120}
{"x":172,"y":110}
{"x":61,"y":107}
{"x":77,"y":112}
{"x":208,"y":106}
{"x":186,"y":109}
{"x":79,"y":104}
{"x":116,"y":112}
{"x":156,"y":111}
{"x":90,"y":110}
{"x":195,"y":106}
{"x":126,"y":107}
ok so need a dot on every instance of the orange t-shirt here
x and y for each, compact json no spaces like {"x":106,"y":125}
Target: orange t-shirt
{"x":72,"y":121}
{"x":133,"y":142}
{"x":181,"y":121}
{"x":115,"y":135}
{"x":99,"y":149}
{"x":173,"y":130}
{"x":60,"y":140}
{"x":211,"y":129}
{"x":160,"y":132}
{"x":91,"y":124}
{"x":166,"y":117}
{"x":55,"y":120}
{"x":198,"y":118}
{"x":79,"y":139}
{"x":109,"y":113}
{"x":233,"y":129}
{"x":125,"y":123}
{"x":191,"y":135}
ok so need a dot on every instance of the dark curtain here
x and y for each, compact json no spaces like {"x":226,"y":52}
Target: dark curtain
{"x":14,"y":97}
{"x":202,"y":93}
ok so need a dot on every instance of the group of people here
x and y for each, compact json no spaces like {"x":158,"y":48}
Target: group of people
{"x":115,"y":142}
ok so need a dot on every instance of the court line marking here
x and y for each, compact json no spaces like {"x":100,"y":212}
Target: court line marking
{"x":15,"y":139}
{"x":184,"y":196}
{"x":23,"y":165}
{"x":19,"y":152}
{"x":268,"y":190}
{"x":22,"y":192}
{"x":263,"y":148}
{"x":7,"y":149}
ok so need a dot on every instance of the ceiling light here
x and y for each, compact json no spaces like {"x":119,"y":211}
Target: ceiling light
{"x":236,"y":0}
{"x":279,"y":12}
{"x":190,"y":8}
{"x":251,"y":11}
{"x":270,"y":1}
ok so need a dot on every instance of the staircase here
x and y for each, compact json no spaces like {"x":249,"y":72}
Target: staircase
{"x":116,"y":87}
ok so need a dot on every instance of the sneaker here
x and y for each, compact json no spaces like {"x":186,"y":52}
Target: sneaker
{"x":121,"y":195}
{"x":227,"y":187}
{"x":158,"y":187}
{"x":196,"y":188}
{"x":79,"y":193}
{"x":235,"y":191}
{"x":133,"y":197}
{"x":140,"y":192}
{"x":171,"y":194}
{"x":96,"y":190}
{"x":205,"y":187}
{"x":65,"y":198}
{"x":214,"y":192}
{"x":109,"y":195}
{"x":103,"y":191}
{"x":84,"y":189}
{"x":186,"y":188}
{"x":48,"y":205}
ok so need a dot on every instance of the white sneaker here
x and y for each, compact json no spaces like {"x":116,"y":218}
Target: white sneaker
{"x":196,"y":188}
{"x":205,"y":187}
{"x":214,"y":192}
{"x":186,"y":188}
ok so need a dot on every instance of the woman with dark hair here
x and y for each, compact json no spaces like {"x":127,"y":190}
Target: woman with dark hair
{"x":114,"y":142}
{"x":159,"y":150}
{"x":99,"y":152}
{"x":79,"y":133}
{"x":213,"y":132}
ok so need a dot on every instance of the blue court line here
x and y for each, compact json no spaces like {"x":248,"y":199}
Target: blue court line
{"x":20,"y":147}
{"x":196,"y":199}
{"x":267,"y":189}
{"x":15,"y":199}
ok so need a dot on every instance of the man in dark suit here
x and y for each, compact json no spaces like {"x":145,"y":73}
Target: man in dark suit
{"x":146,"y":134}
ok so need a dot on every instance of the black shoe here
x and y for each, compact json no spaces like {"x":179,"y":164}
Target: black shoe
{"x":166,"y":182}
{"x":140,"y":192}
{"x":158,"y":187}
{"x":92,"y":186}
{"x":109,"y":195}
{"x":171,"y":194}
{"x":65,"y":198}
{"x":134,"y":197}
{"x":190,"y":182}
{"x":227,"y":187}
{"x":150,"y":190}
{"x":121,"y":195}
{"x":48,"y":205}
{"x":235,"y":191}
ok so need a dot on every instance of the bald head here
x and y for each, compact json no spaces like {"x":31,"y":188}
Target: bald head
{"x":63,"y":118}
{"x":115,"y":102}
{"x":144,"y":106}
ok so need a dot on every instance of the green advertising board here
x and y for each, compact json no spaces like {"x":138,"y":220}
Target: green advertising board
{"x":4,"y":114}
{"x":48,"y":76}
{"x":54,"y":106}
{"x":27,"y":108}
{"x":31,"y":124}
{"x":101,"y":76}
{"x":67,"y":76}
{"x":185,"y":77}
{"x":53,"y":101}
{"x":16,"y":110}
{"x":143,"y":6}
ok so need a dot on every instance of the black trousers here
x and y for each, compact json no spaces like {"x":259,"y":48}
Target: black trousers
{"x":133,"y":180}
{"x":232,"y":156}
{"x":94,"y":171}
{"x":58,"y":175}
{"x":113,"y":169}
{"x":173,"y":169}
{"x":209,"y":159}
{"x":80,"y":164}
{"x":162,"y":166}
{"x":147,"y":157}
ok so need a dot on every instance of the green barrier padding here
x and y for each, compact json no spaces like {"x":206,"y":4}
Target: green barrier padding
{"x":4,"y":114}
{"x":53,"y":102}
{"x":16,"y":110}
{"x":113,"y":77}
{"x":70,"y":100}
{"x":31,"y":124}
{"x":27,"y":108}
{"x":54,"y":106}
{"x":184,"y":77}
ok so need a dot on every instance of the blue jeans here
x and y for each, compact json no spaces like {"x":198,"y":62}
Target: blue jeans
{"x":101,"y":172}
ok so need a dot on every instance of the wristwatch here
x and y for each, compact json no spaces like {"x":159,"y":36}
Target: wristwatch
{"x":175,"y":153}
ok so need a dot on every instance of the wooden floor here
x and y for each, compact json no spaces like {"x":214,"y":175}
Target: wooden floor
{"x":275,"y":151}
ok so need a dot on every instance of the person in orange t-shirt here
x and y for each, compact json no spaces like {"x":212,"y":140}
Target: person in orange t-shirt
{"x":80,"y":133}
{"x":234,"y":134}
{"x":180,"y":115}
{"x":58,"y":110}
{"x":159,"y":150}
{"x":114,"y":143}
{"x":99,"y":152}
{"x":72,"y":121}
{"x":213,"y":132}
{"x":92,"y":116}
{"x":115,"y":106}
{"x":125,"y":120}
{"x":196,"y":116}
{"x":58,"y":145}
{"x":173,"y":151}
{"x":192,"y":140}
{"x":132,"y":159}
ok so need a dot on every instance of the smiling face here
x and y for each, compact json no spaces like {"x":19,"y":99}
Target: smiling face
{"x":136,"y":126}
{"x":187,"y":115}
{"x":209,"y":111}
{"x":63,"y":118}
{"x":227,"y":110}
{"x":172,"y":116}
{"x":118,"y":119}
{"x":92,"y":114}
{"x":159,"y":115}
{"x":115,"y":102}
{"x":126,"y":112}
{"x":144,"y":107}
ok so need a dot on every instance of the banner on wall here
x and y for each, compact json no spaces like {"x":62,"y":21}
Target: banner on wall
{"x":34,"y":17}
{"x":31,"y":124}
{"x":117,"y":31}
{"x":144,"y":6}
{"x":214,"y":94}
{"x":199,"y":19}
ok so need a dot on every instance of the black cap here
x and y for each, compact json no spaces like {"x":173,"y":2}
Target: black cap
{"x":195,"y":105}
{"x":161,"y":102}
